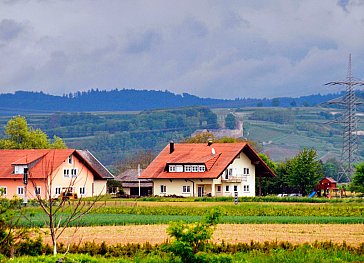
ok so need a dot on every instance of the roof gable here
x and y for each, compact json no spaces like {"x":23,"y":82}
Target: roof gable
{"x":40,"y":162}
{"x":43,"y":162}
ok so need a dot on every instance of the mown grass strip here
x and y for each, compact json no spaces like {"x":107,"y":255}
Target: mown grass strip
{"x":274,"y":199}
{"x":130,"y":219}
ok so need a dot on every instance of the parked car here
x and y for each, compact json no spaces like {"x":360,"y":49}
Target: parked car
{"x":282,"y":195}
{"x":295,"y":195}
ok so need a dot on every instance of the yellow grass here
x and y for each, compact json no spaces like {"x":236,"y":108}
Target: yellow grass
{"x":231,"y":233}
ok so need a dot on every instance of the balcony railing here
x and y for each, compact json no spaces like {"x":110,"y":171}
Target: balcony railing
{"x":236,"y":178}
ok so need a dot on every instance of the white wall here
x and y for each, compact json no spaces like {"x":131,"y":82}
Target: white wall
{"x":175,"y":186}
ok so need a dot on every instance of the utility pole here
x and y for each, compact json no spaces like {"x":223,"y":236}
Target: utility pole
{"x":349,"y":154}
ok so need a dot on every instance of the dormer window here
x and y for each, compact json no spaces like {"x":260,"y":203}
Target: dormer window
{"x":175,"y":168}
{"x":194,"y":168}
{"x":19,"y":169}
{"x":188,"y":168}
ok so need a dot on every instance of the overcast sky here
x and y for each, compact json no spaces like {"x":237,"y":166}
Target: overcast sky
{"x":220,"y":49}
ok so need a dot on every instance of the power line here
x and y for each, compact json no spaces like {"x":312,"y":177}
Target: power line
{"x":349,"y":155}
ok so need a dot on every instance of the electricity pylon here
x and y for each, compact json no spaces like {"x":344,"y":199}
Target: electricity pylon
{"x":349,"y":154}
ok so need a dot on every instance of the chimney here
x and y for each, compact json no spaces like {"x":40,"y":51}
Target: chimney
{"x":171,"y":147}
{"x":209,"y":143}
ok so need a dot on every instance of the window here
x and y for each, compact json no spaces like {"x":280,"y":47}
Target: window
{"x":226,"y":175}
{"x":70,"y":161}
{"x":20,"y":190}
{"x":202,"y":168}
{"x":74,"y":172}
{"x":172,"y":168}
{"x":66,"y":173}
{"x":37,"y":190}
{"x":194,"y":168}
{"x":58,"y":190}
{"x":186,"y":189}
{"x":187,"y":168}
{"x":163,"y":189}
{"x":230,"y":171}
{"x":82,"y":190}
{"x":19,"y":169}
{"x":246,"y":188}
{"x":235,"y":188}
{"x":179,"y":168}
{"x":218,"y":188}
{"x":227,"y":188}
{"x":246,"y":171}
{"x":238,"y":156}
{"x":3,"y":190}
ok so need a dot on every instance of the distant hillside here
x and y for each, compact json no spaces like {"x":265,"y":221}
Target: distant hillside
{"x":22,"y":102}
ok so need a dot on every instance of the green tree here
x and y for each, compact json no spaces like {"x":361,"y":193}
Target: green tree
{"x":189,"y":239}
{"x":20,"y":136}
{"x":357,"y":185}
{"x":230,"y":121}
{"x":331,"y":168}
{"x":275,"y":102}
{"x":304,"y":171}
{"x":11,"y":234}
{"x":202,"y":137}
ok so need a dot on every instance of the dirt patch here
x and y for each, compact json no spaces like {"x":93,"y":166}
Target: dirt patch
{"x":231,"y":233}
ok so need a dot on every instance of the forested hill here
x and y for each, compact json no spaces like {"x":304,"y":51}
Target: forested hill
{"x":135,"y":100}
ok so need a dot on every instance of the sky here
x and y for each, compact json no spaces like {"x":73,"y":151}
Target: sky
{"x":218,"y":48}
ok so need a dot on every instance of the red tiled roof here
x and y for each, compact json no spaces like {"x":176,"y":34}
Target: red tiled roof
{"x":216,"y":158}
{"x":41,"y":162}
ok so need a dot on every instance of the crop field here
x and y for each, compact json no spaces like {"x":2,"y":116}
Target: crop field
{"x":141,"y":213}
{"x":231,"y":233}
{"x":321,"y":231}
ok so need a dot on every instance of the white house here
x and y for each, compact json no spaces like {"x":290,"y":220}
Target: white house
{"x":212,"y":169}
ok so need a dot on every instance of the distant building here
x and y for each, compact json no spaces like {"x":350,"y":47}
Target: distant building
{"x":327,"y":187}
{"x":131,"y":183}
{"x":211,"y":169}
{"x":51,"y":172}
{"x":219,"y":133}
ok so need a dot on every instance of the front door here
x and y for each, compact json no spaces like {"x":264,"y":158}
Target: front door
{"x":200,"y":190}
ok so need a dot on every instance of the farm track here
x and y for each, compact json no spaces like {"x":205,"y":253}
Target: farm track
{"x":352,"y":234}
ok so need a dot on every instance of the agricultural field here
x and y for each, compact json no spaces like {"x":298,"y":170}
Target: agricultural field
{"x":143,"y":212}
{"x":286,"y":230}
{"x":352,"y":234}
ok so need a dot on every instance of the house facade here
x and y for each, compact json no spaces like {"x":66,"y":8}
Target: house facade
{"x":50,"y":172}
{"x":212,"y":169}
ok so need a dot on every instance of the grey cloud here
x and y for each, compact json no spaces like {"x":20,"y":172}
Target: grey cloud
{"x":214,"y":48}
{"x":193,"y":28}
{"x":144,"y":42}
{"x":9,"y":29}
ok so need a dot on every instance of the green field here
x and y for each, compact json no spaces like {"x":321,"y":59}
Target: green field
{"x":138,"y":213}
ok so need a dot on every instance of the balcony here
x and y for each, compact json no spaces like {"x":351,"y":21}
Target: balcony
{"x":235,"y":178}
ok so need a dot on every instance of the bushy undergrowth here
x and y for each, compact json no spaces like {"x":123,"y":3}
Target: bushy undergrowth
{"x":223,"y":252}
